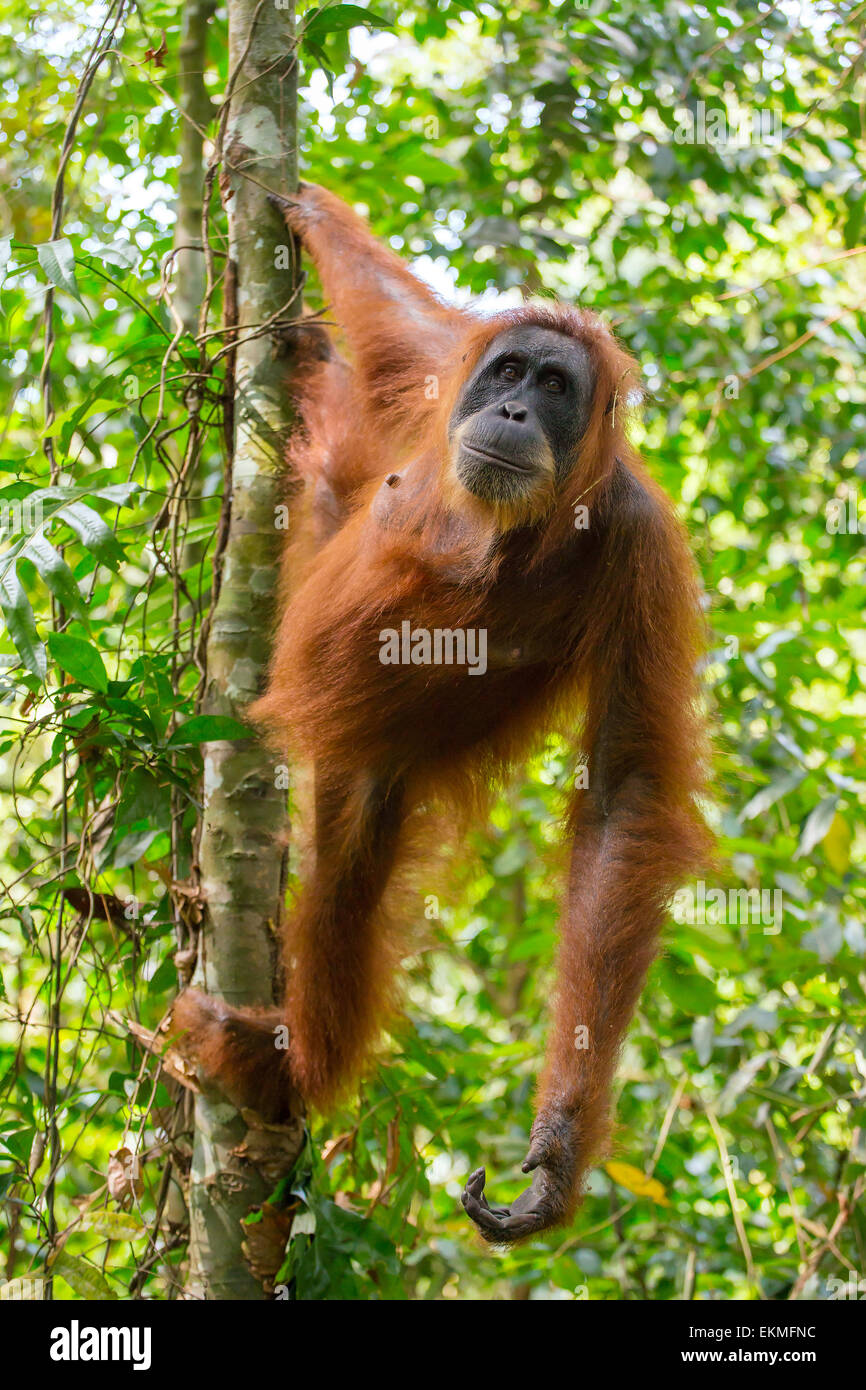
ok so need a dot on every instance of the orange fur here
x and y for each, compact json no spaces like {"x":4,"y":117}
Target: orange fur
{"x":606,"y":625}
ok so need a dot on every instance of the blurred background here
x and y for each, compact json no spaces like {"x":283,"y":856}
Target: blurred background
{"x":696,"y":174}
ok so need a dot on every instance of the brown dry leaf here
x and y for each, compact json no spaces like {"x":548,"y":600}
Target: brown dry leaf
{"x":85,"y":1200}
{"x":189,"y":899}
{"x":181,"y":1069}
{"x":124,"y":1175}
{"x":102,"y":907}
{"x":185,"y":962}
{"x":264,"y":1245}
{"x":392,"y":1151}
{"x":271,"y":1149}
{"x":150,"y":1040}
{"x":334,"y":1147}
{"x":161,"y":1117}
{"x":157,"y":55}
{"x":173,"y":1064}
{"x":225,"y":187}
{"x":37,"y":1153}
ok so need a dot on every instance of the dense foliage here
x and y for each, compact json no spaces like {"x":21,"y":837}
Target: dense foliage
{"x":698,"y":174}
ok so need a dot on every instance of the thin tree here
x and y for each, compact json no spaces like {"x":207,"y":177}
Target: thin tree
{"x":243,"y":843}
{"x":189,"y":269}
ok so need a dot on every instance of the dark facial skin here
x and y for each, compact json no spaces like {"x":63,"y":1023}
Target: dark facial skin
{"x":520,"y":417}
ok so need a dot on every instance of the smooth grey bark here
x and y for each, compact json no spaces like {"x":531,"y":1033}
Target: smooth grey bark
{"x":243,"y":846}
{"x":189,"y":260}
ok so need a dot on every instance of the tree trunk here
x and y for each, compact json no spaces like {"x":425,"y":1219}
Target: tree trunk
{"x":243,"y":846}
{"x":189,"y":261}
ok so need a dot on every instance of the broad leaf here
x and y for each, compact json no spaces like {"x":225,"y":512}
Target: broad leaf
{"x":56,"y":573}
{"x":57,"y":259}
{"x":79,"y":659}
{"x":21,"y":623}
{"x":208,"y":728}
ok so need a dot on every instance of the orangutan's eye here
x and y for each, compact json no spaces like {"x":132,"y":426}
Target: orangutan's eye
{"x":554,"y":382}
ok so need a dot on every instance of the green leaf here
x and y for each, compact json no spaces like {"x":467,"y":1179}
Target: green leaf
{"x":56,"y":573}
{"x":837,"y":844}
{"x":163,"y":978}
{"x":92,"y":531}
{"x":21,"y":623}
{"x":82,"y":1277}
{"x":208,"y":728}
{"x":119,"y":493}
{"x":318,"y":54}
{"x":620,"y":40}
{"x":134,"y":714}
{"x":114,"y":1225}
{"x":97,"y":404}
{"x":62,"y":503}
{"x":769,"y":795}
{"x":121,"y":253}
{"x":57,"y":259}
{"x":130,"y":849}
{"x":333,"y":19}
{"x":142,"y":799}
{"x":816,"y":825}
{"x":740,"y":1081}
{"x":79,"y":659}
